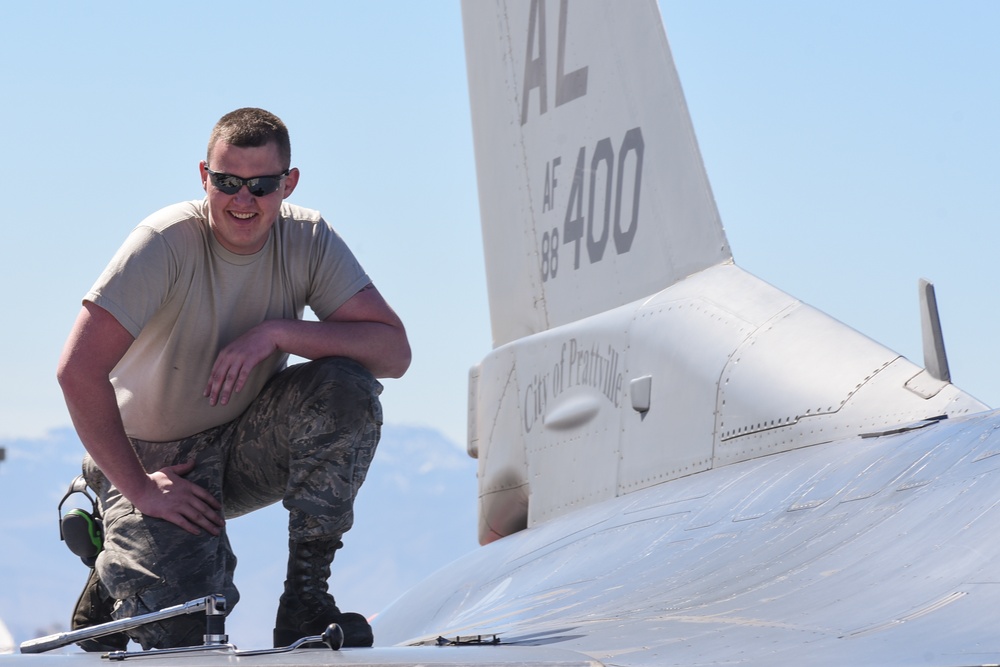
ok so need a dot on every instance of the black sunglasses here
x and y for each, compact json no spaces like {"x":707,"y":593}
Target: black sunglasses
{"x":258,"y":185}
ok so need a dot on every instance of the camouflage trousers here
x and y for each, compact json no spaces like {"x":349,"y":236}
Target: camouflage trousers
{"x":306,"y":440}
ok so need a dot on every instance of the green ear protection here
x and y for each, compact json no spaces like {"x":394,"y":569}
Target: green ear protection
{"x":82,"y":531}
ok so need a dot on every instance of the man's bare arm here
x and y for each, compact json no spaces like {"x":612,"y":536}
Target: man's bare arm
{"x":95,"y":345}
{"x":365,"y":329}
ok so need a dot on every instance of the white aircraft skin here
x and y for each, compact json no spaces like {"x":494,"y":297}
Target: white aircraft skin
{"x":679,"y":464}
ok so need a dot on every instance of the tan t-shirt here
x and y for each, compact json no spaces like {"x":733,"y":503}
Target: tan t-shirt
{"x":184,"y":297}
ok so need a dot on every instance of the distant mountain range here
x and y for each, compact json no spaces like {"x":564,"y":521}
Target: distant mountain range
{"x":415,"y":514}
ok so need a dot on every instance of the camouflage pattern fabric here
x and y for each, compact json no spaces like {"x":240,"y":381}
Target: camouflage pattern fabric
{"x":307,"y":440}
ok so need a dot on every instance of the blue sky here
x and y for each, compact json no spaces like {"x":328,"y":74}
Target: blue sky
{"x":852,"y":148}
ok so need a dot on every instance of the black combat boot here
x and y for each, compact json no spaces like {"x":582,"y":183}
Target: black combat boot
{"x":94,"y":607}
{"x":306,"y":608}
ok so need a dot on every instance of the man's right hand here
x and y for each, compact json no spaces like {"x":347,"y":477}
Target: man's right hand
{"x":183,"y":503}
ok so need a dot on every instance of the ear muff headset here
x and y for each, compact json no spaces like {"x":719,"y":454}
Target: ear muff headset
{"x":82,"y":531}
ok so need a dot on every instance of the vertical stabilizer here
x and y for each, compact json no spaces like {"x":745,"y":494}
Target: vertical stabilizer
{"x":591,"y":185}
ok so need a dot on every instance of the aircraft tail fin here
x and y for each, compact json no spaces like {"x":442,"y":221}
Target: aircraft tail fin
{"x":581,"y":115}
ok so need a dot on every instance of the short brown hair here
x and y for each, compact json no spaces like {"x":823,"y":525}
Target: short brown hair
{"x":252,"y":127}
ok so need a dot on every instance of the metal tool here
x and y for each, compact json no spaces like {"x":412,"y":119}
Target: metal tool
{"x":214,"y":607}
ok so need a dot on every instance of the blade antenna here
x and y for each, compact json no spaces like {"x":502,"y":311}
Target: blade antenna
{"x":935,"y":359}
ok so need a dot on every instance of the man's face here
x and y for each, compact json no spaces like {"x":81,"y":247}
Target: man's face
{"x":241,"y":222}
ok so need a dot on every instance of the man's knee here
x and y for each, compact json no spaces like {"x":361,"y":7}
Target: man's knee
{"x":343,"y":374}
{"x":338,"y":390}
